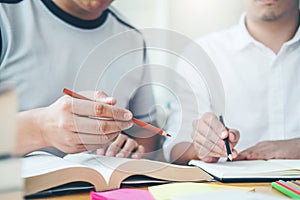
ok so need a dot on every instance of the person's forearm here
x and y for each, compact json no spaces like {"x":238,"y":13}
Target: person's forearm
{"x":182,"y":153}
{"x":29,"y":137}
{"x":294,"y":145}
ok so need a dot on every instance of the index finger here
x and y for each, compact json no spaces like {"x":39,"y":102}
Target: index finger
{"x":212,"y":121}
{"x":102,"y":110}
{"x":99,"y":96}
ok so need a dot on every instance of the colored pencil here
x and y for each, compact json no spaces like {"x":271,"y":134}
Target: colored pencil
{"x":136,"y":121}
{"x":284,"y":190}
{"x":287,"y":186}
{"x":296,"y":182}
{"x":293,"y":185}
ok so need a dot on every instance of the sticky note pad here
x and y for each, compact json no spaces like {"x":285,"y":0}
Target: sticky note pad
{"x":171,"y":190}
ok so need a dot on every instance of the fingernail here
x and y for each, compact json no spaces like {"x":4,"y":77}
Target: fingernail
{"x":224,"y":134}
{"x":110,"y":153}
{"x":100,"y":152}
{"x":109,"y":99}
{"x":120,"y":155}
{"x":231,"y":137}
{"x":234,"y":154}
{"x":128,"y":115}
{"x":134,"y":156}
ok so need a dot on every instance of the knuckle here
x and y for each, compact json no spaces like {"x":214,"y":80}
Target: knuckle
{"x":124,"y":137}
{"x":194,"y":135}
{"x":115,"y":145}
{"x":103,"y":127}
{"x":141,"y":148}
{"x":66,"y":103}
{"x":208,"y":115}
{"x":116,"y":113}
{"x":100,"y":94}
{"x":125,"y":151}
{"x":66,"y":124}
{"x":99,"y":109}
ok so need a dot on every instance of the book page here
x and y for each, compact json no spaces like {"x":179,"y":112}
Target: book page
{"x":107,"y":165}
{"x":103,"y":164}
{"x":249,"y":167}
{"x":40,"y":162}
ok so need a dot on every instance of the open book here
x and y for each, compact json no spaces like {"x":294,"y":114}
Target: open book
{"x":43,"y":171}
{"x":251,"y":170}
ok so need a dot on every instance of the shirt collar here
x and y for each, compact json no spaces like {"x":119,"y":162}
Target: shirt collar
{"x":244,"y":38}
{"x":296,"y":37}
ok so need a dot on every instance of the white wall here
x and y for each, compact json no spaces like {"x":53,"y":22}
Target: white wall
{"x":190,"y":17}
{"x":193,"y":18}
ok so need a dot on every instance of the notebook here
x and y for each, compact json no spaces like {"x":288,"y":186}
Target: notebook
{"x":251,"y":170}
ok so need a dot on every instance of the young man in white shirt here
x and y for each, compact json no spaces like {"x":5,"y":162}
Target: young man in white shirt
{"x":259,"y":64}
{"x":43,"y":46}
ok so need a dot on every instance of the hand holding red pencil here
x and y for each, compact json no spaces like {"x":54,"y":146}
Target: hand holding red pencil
{"x":124,"y":145}
{"x":67,"y":124}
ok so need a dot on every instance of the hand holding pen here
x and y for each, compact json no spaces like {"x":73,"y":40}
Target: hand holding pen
{"x":209,"y":138}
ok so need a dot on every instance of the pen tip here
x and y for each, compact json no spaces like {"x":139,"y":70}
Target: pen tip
{"x":168,"y":135}
{"x":230,"y":157}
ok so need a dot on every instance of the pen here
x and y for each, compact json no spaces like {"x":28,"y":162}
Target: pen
{"x":136,"y":121}
{"x":226,"y":140}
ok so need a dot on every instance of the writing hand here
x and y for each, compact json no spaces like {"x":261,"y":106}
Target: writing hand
{"x":278,"y":149}
{"x":208,"y":135}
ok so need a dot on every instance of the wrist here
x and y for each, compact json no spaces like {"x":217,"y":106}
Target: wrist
{"x":29,"y":135}
{"x":39,"y":121}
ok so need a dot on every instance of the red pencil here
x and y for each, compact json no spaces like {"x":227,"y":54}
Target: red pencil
{"x":284,"y":184}
{"x":136,"y":121}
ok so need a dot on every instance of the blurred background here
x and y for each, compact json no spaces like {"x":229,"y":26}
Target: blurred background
{"x":192,"y":18}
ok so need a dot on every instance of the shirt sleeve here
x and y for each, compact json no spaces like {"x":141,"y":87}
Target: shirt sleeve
{"x":192,"y":101}
{"x":142,"y":104}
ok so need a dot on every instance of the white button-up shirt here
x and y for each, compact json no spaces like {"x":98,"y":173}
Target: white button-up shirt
{"x":262,"y":89}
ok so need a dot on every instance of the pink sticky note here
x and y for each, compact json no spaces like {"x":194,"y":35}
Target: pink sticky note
{"x":123,"y":193}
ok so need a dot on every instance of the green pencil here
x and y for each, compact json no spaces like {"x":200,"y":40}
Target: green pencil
{"x":285,"y":191}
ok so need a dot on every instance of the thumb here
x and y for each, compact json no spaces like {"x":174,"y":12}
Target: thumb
{"x":234,"y":136}
{"x":99,"y":96}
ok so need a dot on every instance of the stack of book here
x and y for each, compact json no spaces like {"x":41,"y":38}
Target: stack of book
{"x":11,"y":184}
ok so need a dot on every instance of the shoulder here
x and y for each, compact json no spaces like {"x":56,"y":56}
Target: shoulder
{"x":121,"y":19}
{"x":222,"y":40}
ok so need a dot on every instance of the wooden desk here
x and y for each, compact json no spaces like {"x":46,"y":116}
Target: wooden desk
{"x":259,"y":187}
